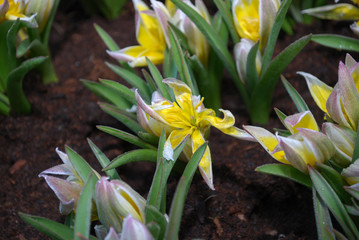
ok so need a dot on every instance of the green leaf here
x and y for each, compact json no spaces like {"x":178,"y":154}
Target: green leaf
{"x":334,"y":204}
{"x":108,"y":93}
{"x":126,"y":137}
{"x":169,"y":65}
{"x":179,"y":198}
{"x":181,"y":63}
{"x":4,"y":61}
{"x":134,"y":80}
{"x":148,"y":137}
{"x":49,"y":227}
{"x":128,"y":119}
{"x":106,"y":38}
{"x":337,"y":41}
{"x":157,"y":77}
{"x":287,"y":171}
{"x":322,"y":218}
{"x":83,"y":209}
{"x":80,"y":165}
{"x":273,"y":36}
{"x":17,"y":98}
{"x":140,"y":155}
{"x":103,"y":160}
{"x":47,"y":29}
{"x":295,"y":96}
{"x":218,"y":45}
{"x":336,"y":181}
{"x":124,"y":91}
{"x":153,"y":215}
{"x":4,"y":109}
{"x":280,"y":115}
{"x":262,"y":95}
{"x":151,"y":83}
{"x":251,"y":68}
{"x":228,"y":18}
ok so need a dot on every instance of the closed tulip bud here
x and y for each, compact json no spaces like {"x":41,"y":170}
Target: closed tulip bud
{"x":115,"y":200}
{"x":343,"y":139}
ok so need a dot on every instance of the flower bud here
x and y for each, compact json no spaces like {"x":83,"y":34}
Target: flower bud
{"x":42,"y":8}
{"x":115,"y":200}
{"x":134,"y":230}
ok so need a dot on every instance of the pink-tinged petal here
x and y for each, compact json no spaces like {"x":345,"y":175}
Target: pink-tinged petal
{"x":3,"y":9}
{"x":349,"y":61}
{"x":61,"y":169}
{"x":142,"y":118}
{"x":120,"y":55}
{"x":67,"y":192}
{"x":134,"y":230}
{"x":355,"y":28}
{"x":148,"y":109}
{"x":349,"y":95}
{"x":112,"y":235}
{"x":296,"y":153}
{"x":267,"y":140}
{"x":351,"y":173}
{"x":319,"y":144}
{"x":336,"y":109}
{"x":300,"y":120}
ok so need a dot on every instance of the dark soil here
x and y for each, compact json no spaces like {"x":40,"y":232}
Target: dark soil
{"x":245,"y":204}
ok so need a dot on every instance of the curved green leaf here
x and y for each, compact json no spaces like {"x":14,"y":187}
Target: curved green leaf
{"x":294,"y":95}
{"x":337,"y":41}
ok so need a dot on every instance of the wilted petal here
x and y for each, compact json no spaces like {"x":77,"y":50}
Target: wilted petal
{"x":267,"y":140}
{"x":340,"y":11}
{"x":300,"y":120}
{"x":205,"y":165}
{"x":318,"y":89}
{"x":134,"y":230}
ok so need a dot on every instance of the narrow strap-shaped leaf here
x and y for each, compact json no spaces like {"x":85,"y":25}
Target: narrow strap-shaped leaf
{"x":79,"y":164}
{"x":125,"y":92}
{"x":132,"y":79}
{"x":156,"y":216}
{"x":181,"y":63}
{"x":157,"y":77}
{"x":322,"y":218}
{"x":4,"y":66}
{"x":182,"y":38}
{"x":126,"y":137}
{"x":336,"y":181}
{"x":280,"y":115}
{"x":228,"y":18}
{"x":103,"y":160}
{"x":151,"y":83}
{"x":11,"y":44}
{"x":286,"y":171}
{"x":106,"y":38}
{"x":179,"y":198}
{"x":148,"y":137}
{"x":273,"y":36}
{"x":334,"y":204}
{"x":337,"y":41}
{"x":262,"y":95}
{"x":17,"y":98}
{"x":83,"y":209}
{"x":107,"y":93}
{"x":24,"y":46}
{"x":124,"y":117}
{"x":294,"y":95}
{"x":216,"y":42}
{"x":140,"y":155}
{"x":251,"y":68}
{"x":169,"y":66}
{"x":49,"y":227}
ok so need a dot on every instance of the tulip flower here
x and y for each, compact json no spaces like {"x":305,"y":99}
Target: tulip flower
{"x":149,"y":34}
{"x":241,"y":51}
{"x":254,"y":19}
{"x":197,"y":41}
{"x":343,"y":139}
{"x":42,"y":8}
{"x":187,"y":116}
{"x":67,"y":190}
{"x":115,"y":200}
{"x":341,"y":104}
{"x":306,"y":146}
{"x":14,"y":9}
